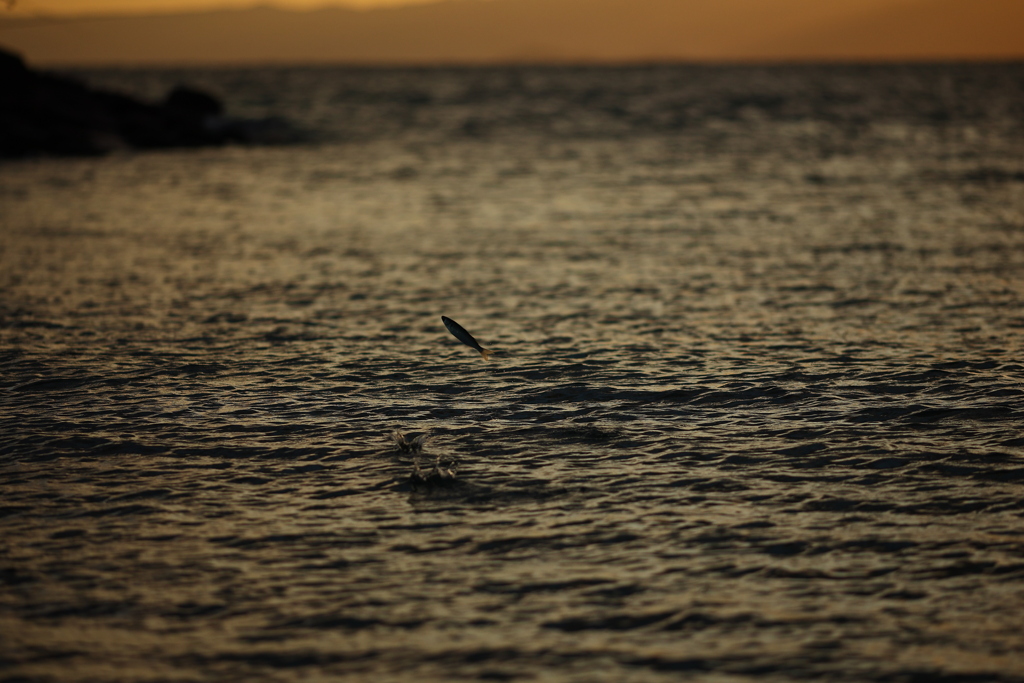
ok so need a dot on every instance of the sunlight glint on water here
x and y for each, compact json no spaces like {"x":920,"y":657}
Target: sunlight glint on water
{"x":754,"y":411}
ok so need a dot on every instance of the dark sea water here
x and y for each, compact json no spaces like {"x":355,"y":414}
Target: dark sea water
{"x":756,"y":409}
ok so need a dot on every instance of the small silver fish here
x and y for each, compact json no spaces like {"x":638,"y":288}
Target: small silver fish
{"x":465,"y":337}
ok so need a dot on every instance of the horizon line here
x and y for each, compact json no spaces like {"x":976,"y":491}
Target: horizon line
{"x":582,"y":63}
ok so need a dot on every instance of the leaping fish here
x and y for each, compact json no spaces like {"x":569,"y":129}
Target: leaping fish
{"x":465,"y":337}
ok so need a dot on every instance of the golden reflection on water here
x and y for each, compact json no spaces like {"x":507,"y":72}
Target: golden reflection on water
{"x":753,"y":409}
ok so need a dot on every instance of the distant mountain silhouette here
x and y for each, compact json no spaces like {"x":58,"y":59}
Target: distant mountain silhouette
{"x":924,"y":29}
{"x":494,"y":31}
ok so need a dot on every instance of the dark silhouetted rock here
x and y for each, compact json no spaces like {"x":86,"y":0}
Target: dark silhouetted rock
{"x":191,"y":102}
{"x":42,"y":113}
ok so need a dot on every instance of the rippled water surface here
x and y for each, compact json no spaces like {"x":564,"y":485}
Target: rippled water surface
{"x":755,"y":410}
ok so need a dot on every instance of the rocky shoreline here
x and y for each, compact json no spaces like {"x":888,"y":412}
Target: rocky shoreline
{"x":44,"y":113}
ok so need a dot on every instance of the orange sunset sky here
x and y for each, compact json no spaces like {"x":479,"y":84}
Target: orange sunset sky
{"x":80,"y":7}
{"x":130,"y":32}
